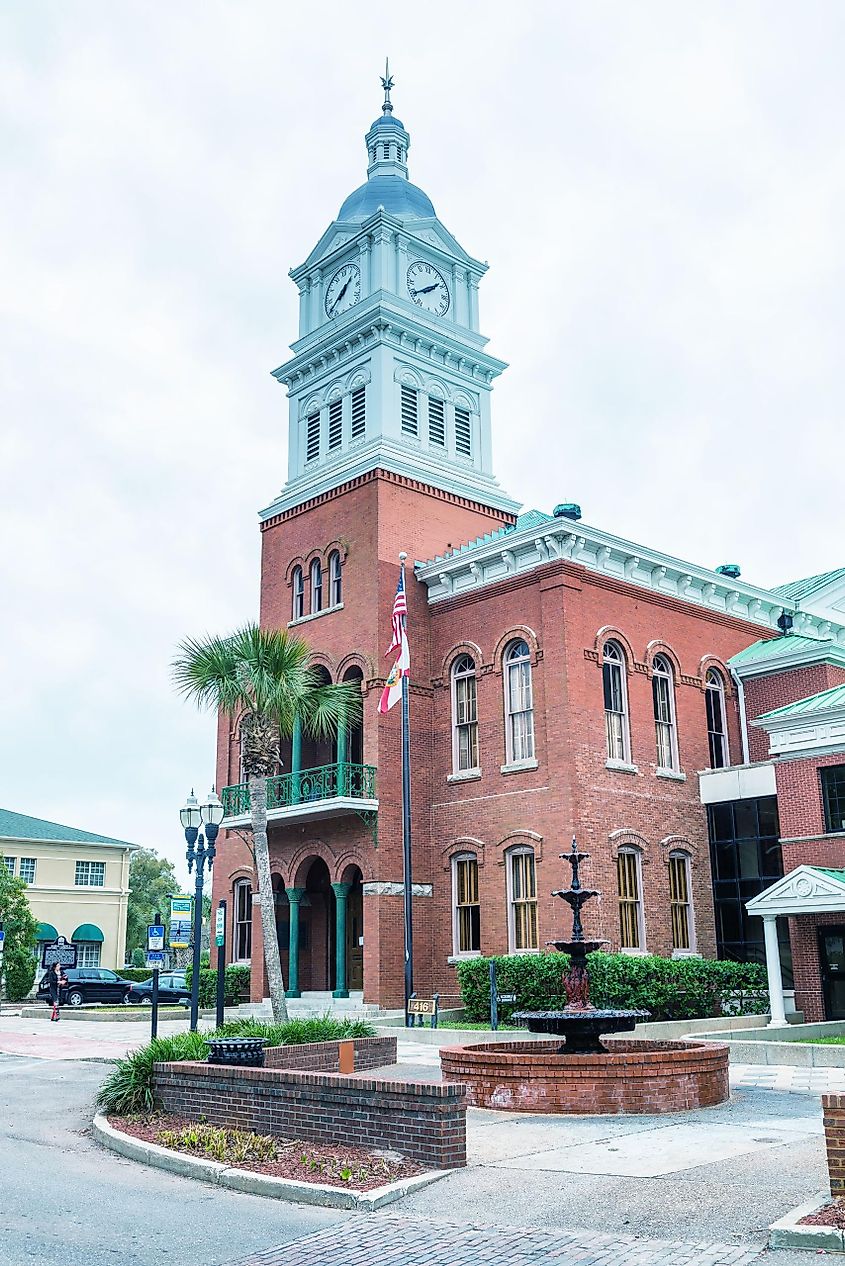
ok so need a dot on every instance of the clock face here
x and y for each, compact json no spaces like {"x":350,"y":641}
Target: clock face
{"x":344,"y":290}
{"x":427,"y":288}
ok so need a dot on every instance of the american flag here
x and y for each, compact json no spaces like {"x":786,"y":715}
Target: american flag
{"x":400,"y":610}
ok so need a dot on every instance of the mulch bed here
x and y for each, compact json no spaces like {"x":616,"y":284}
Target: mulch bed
{"x":322,"y":1163}
{"x":832,"y":1214}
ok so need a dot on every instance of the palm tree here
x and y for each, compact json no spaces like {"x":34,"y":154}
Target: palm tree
{"x":265,"y":677}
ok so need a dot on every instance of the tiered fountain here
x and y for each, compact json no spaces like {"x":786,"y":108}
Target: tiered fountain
{"x":583,"y":1075}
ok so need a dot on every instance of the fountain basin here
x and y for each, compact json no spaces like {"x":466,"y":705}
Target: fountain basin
{"x":638,"y":1077}
{"x":581,"y":1028}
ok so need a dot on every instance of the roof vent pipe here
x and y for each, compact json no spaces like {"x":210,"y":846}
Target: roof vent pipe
{"x":568,"y":510}
{"x":731,"y":570}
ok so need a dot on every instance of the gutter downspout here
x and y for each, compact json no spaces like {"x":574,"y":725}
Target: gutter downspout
{"x":743,"y":719}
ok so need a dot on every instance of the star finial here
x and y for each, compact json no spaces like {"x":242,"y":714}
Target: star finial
{"x":387,"y":84}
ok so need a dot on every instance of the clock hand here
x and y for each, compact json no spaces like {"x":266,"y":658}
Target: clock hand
{"x":426,"y":289}
{"x":342,"y":293}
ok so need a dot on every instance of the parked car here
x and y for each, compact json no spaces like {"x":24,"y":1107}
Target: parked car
{"x":89,"y":984}
{"x":171,"y":988}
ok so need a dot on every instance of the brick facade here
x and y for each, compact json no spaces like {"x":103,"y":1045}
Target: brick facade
{"x":425,"y":1122}
{"x":565,"y":613}
{"x":324,"y":1057}
{"x":833,"y":1108}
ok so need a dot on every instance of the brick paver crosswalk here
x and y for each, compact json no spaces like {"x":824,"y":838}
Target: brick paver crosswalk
{"x":392,"y":1240}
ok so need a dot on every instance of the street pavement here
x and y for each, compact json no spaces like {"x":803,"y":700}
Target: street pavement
{"x":695,"y":1189}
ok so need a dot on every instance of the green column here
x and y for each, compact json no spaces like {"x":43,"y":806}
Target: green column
{"x":341,"y":892}
{"x":295,"y":760}
{"x":340,"y":789}
{"x":294,"y":895}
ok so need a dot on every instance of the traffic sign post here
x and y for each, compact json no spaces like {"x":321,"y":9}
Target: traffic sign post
{"x":155,"y":956}
{"x":2,"y":948}
{"x":220,"y":944}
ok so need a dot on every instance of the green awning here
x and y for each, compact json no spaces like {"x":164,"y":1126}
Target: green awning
{"x":46,"y":932}
{"x":87,"y":932}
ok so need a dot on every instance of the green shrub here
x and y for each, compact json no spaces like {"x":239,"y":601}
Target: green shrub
{"x":137,"y":957}
{"x":19,"y":973}
{"x":139,"y":974}
{"x":129,"y":1087}
{"x":235,"y":987}
{"x":668,"y":988}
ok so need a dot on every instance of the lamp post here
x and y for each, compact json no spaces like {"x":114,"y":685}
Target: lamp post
{"x":200,"y":854}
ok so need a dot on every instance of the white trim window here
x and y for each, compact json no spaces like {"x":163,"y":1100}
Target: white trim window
{"x":409,"y":411}
{"x":90,"y":875}
{"x":464,"y":715}
{"x":466,"y":909}
{"x":615,"y":687}
{"x":10,"y":864}
{"x":519,"y":704}
{"x":665,"y":727}
{"x":335,"y":579}
{"x":26,"y":870}
{"x":680,"y":903}
{"x":336,"y":423}
{"x":629,"y":879}
{"x":717,"y":722}
{"x":359,"y":412}
{"x":312,"y":437}
{"x":298,"y":587}
{"x":242,"y":921}
{"x":316,"y":586}
{"x":522,"y":901}
{"x":88,"y":953}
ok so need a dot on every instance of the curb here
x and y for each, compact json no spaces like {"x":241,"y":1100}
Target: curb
{"x":245,"y":1180}
{"x":786,"y":1233}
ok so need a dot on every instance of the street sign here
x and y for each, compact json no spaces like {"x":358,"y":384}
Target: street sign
{"x":155,"y":937}
{"x":59,"y":951}
{"x":155,"y":958}
{"x":2,"y":937}
{"x":220,"y":927}
{"x":180,"y":922}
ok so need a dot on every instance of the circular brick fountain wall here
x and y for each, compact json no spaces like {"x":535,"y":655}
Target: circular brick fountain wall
{"x":636,"y":1077}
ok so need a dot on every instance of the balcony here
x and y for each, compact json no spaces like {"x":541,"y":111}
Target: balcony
{"x":308,"y":795}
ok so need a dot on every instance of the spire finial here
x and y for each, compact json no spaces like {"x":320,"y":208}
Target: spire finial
{"x":387,"y":84}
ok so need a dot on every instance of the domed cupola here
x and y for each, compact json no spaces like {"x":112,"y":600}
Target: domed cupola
{"x":387,"y":184}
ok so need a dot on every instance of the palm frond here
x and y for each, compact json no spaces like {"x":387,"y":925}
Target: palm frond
{"x":324,"y":709}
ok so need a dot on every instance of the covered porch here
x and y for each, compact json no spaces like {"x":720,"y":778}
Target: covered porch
{"x":815,"y":897}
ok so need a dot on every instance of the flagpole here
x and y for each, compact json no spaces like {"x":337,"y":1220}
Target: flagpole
{"x":407,"y":881}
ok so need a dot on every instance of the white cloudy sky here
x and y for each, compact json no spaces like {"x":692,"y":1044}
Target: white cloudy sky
{"x":659,"y":189}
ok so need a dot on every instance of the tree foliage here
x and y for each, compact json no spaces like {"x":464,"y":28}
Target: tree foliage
{"x":20,"y":927}
{"x":151,"y":881}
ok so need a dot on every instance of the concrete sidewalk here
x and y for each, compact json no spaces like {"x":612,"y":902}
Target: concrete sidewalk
{"x":77,"y":1039}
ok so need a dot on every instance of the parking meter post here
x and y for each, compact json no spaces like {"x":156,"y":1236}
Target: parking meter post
{"x":220,"y":940}
{"x":494,"y":997}
{"x":154,"y":1017}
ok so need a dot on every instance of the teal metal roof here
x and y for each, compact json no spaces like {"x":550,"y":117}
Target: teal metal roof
{"x":836,"y":874}
{"x":531,"y":518}
{"x":776,"y":648}
{"x":19,"y":826}
{"x":822,"y":702}
{"x":797,"y":589}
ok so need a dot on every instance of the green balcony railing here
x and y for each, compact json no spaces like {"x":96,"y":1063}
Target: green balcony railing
{"x":327,"y":782}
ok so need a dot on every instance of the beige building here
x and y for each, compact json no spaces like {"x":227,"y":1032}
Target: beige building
{"x":77,"y":884}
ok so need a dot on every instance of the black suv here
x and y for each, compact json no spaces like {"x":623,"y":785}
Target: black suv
{"x":89,"y":984}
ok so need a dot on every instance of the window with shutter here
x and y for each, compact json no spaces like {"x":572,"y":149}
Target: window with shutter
{"x":335,"y":423}
{"x":312,"y":439}
{"x":436,"y":422}
{"x":410,"y":424}
{"x":463,"y":433}
{"x":359,"y":412}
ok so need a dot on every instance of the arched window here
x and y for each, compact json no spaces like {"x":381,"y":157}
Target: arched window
{"x":629,"y":878}
{"x":615,"y":703}
{"x":464,"y":715}
{"x":242,"y":921}
{"x":298,"y":579}
{"x":316,"y":587}
{"x":335,"y":582}
{"x":680,"y":903}
{"x":717,"y":726}
{"x":522,"y":900}
{"x":466,"y":911}
{"x":665,"y":729}
{"x":519,"y":704}
{"x":355,"y":733}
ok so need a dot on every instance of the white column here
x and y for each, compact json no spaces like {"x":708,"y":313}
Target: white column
{"x":770,"y":932}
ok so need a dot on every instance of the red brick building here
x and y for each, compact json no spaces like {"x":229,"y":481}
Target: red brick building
{"x":563,"y":680}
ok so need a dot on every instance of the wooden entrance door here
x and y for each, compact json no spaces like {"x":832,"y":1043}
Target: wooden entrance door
{"x":355,"y":936}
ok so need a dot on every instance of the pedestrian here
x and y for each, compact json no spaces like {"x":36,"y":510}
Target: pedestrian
{"x":56,"y":984}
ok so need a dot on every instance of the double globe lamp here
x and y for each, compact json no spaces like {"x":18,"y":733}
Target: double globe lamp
{"x":200,"y":853}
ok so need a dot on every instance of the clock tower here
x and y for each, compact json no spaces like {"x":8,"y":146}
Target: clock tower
{"x":389,"y":371}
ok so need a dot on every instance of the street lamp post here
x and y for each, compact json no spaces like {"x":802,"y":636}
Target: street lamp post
{"x":200,"y":854}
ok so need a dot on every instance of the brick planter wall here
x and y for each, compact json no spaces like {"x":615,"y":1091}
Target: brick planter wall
{"x":324,"y":1057}
{"x":637,"y":1077}
{"x":426,"y":1123}
{"x":833,"y":1107}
